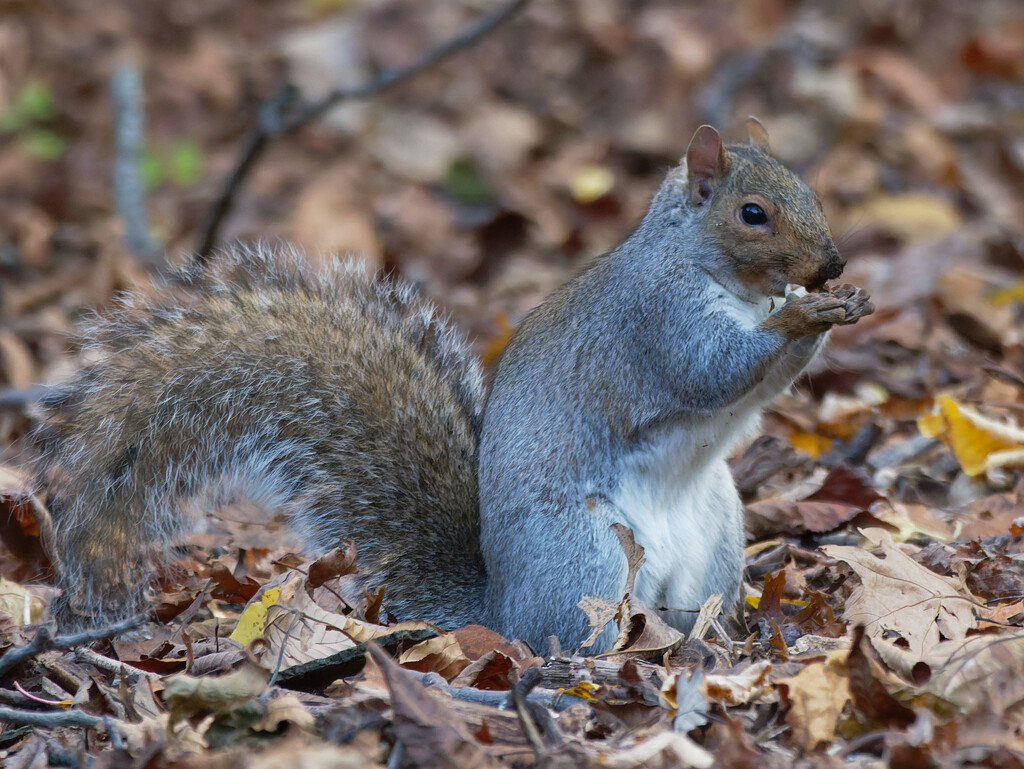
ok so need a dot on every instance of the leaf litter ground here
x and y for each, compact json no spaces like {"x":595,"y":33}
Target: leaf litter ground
{"x":883,"y":496}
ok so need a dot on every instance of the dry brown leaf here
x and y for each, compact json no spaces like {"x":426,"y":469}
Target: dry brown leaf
{"x":817,"y":696}
{"x":15,"y":361}
{"x":338,"y":563}
{"x":973,"y":298}
{"x":911,"y":216}
{"x":491,"y":672}
{"x":665,"y":748}
{"x":302,"y":751}
{"x":899,"y":595}
{"x":331,"y":217}
{"x":426,"y":724}
{"x":738,"y":688}
{"x":307,"y":631}
{"x":871,"y":697}
{"x":965,"y":672}
{"x":600,"y":612}
{"x":285,"y":708}
{"x":19,"y":604}
{"x":441,"y":654}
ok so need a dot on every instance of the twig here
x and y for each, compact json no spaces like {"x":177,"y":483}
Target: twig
{"x":129,"y":141}
{"x":518,"y":695}
{"x":274,"y":120}
{"x":549,"y":698}
{"x":40,"y":642}
{"x":19,"y":398}
{"x":44,"y":640}
{"x":113,"y":666}
{"x":52,"y":719}
{"x":397,"y":755}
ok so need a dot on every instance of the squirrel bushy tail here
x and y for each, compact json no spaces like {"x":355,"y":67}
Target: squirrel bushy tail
{"x":347,"y":401}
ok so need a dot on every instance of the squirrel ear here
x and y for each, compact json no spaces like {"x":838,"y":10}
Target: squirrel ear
{"x":706,"y":163}
{"x":758,"y":134}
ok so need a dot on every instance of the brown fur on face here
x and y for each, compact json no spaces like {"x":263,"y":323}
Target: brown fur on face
{"x":793,"y":246}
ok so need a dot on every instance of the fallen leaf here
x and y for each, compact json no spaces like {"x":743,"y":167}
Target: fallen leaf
{"x":338,"y":563}
{"x":285,"y":708}
{"x":816,"y":697}
{"x":490,"y":672}
{"x":20,"y":605}
{"x":426,"y":725}
{"x":978,"y":443}
{"x":738,"y":688}
{"x":897,"y":595}
{"x":869,"y":694}
{"x":187,"y":695}
{"x":441,"y":654}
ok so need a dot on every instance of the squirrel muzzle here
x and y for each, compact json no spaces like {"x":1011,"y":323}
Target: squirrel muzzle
{"x":830,"y":270}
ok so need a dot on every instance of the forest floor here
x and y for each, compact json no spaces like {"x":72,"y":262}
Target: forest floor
{"x":884,"y":496}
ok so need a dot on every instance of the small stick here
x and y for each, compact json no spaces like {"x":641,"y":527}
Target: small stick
{"x":273,"y":121}
{"x":113,"y":666}
{"x":50,"y":720}
{"x":129,"y":141}
{"x":44,"y":640}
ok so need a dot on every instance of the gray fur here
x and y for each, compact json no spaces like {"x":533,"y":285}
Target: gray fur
{"x":646,"y":350}
{"x":347,"y":402}
{"x":351,"y":405}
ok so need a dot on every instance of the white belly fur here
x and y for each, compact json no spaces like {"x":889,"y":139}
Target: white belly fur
{"x":681,"y":503}
{"x":677,"y":495}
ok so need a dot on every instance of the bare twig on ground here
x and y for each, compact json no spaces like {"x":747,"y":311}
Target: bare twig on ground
{"x":43,"y":640}
{"x":285,"y":111}
{"x":52,"y":719}
{"x":113,"y":666}
{"x":129,"y":142}
{"x":18,"y":398}
{"x":549,"y":698}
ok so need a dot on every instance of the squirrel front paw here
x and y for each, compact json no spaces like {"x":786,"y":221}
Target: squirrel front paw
{"x":806,"y":314}
{"x":856,"y":302}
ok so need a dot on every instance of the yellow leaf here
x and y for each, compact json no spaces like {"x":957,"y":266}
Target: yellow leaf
{"x":1008,"y":295}
{"x":977,"y":442}
{"x":809,"y":443}
{"x":591,"y":183}
{"x":252,"y":623}
{"x":585,"y":690}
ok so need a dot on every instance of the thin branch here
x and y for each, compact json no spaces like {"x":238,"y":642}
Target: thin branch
{"x":549,"y":698}
{"x":19,"y":398}
{"x":129,"y":142}
{"x":115,"y":667}
{"x":49,"y":720}
{"x":285,"y":112}
{"x":43,"y":640}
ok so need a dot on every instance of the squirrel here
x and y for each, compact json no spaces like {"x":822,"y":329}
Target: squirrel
{"x":352,"y":404}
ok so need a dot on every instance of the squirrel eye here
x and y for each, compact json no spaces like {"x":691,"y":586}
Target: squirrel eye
{"x":753,"y":214}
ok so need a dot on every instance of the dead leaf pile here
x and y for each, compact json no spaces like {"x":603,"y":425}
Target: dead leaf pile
{"x":885,"y":497}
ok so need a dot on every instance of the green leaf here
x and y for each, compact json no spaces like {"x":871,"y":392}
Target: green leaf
{"x":42,"y":143}
{"x":465,"y":183}
{"x":185,"y":163}
{"x":34,"y":101}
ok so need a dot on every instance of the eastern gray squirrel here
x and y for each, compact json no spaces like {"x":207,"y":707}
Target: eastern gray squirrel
{"x":350,"y":403}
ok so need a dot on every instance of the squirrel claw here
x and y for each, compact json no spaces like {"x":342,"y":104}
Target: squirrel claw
{"x":855,"y":301}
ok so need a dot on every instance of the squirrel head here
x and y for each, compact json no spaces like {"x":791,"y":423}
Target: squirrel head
{"x":766,"y":225}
